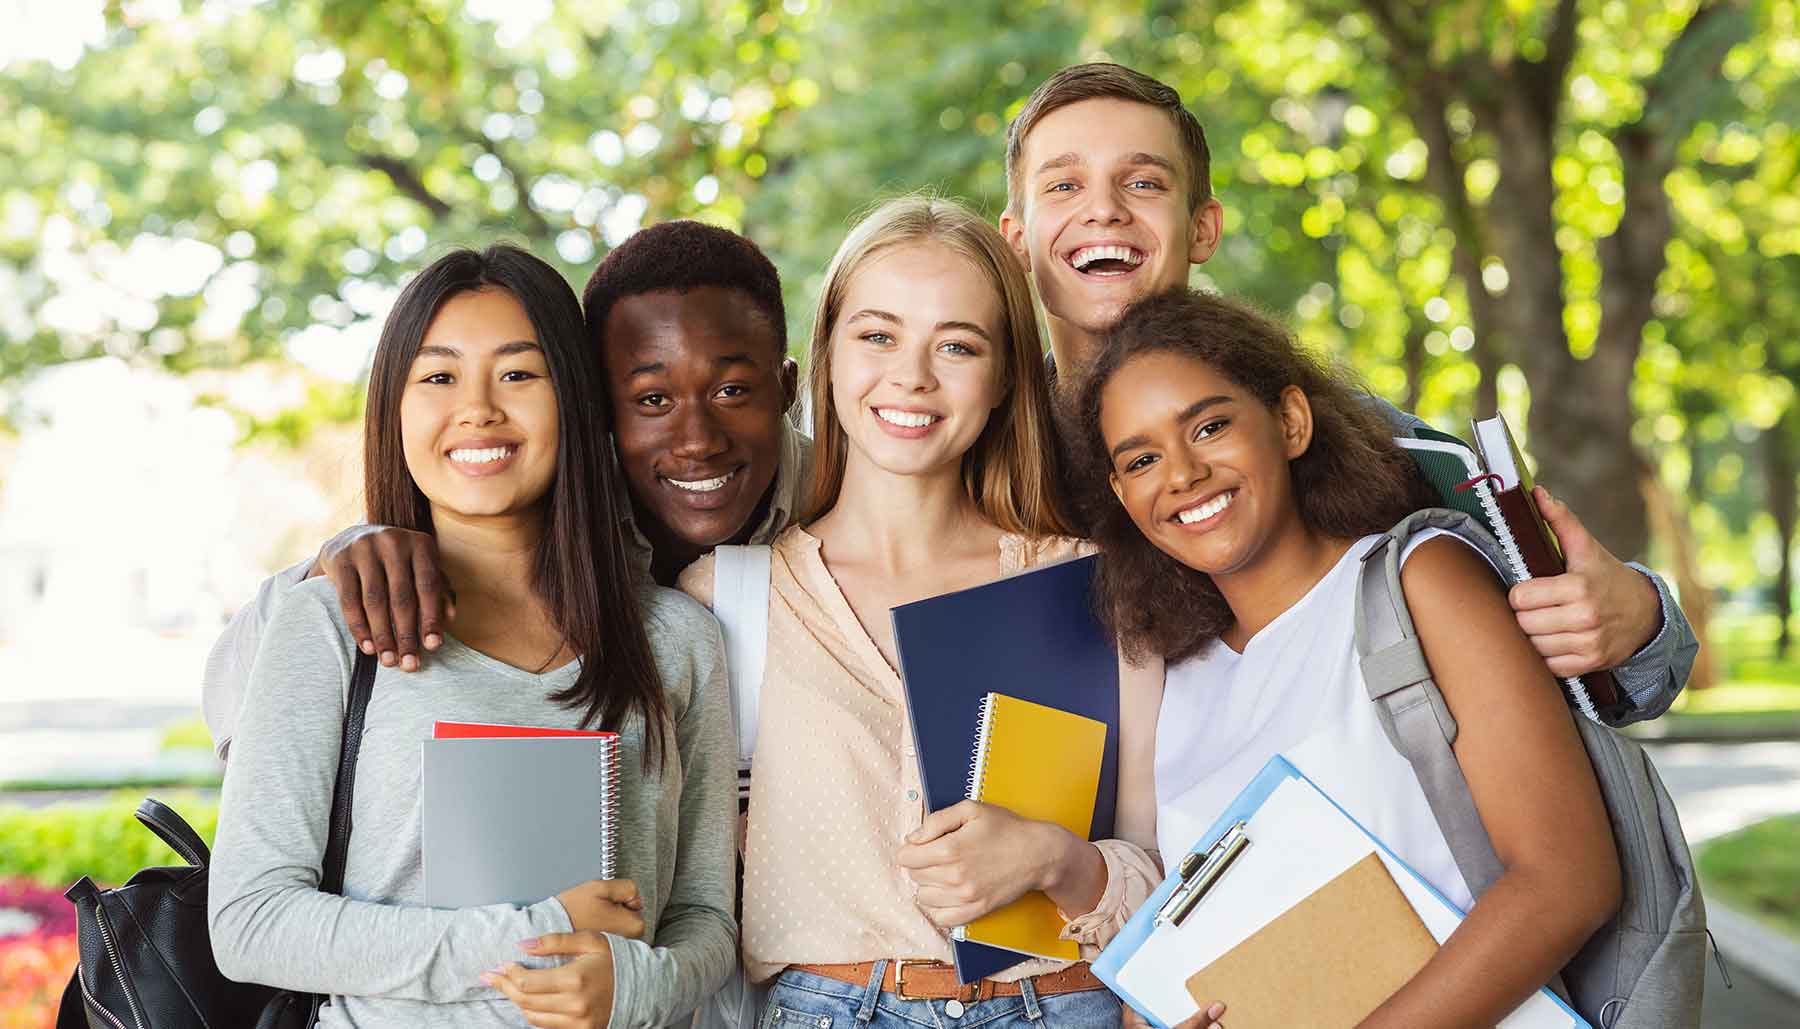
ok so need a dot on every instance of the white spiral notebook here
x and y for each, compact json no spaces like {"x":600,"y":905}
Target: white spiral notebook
{"x":517,"y":820}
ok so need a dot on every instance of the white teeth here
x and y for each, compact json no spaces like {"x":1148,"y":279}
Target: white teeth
{"x":1206,"y":510}
{"x":909,"y":419}
{"x":484,"y":456}
{"x":701,"y":485}
{"x":1088,"y":255}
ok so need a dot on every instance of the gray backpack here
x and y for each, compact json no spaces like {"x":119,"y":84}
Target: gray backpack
{"x":1646,"y":967}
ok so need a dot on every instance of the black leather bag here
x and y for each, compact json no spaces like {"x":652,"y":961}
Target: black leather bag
{"x":146,"y":959}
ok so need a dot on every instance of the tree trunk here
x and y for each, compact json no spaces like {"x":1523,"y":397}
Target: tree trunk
{"x":1779,"y":474}
{"x":1580,"y":420}
{"x":1671,"y":524}
{"x":1487,"y":391}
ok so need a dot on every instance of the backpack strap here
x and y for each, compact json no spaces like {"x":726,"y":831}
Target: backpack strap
{"x":337,"y":843}
{"x":741,"y":603}
{"x":1408,"y":703}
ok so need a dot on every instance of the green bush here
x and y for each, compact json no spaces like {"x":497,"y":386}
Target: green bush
{"x":59,"y":844}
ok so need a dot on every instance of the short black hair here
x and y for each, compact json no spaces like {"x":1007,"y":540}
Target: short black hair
{"x":680,"y":256}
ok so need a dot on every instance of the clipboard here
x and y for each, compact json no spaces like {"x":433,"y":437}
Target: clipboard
{"x":1285,"y":838}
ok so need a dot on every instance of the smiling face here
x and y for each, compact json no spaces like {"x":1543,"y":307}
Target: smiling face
{"x":1102,"y":217}
{"x":1199,"y":463}
{"x":478,"y":415}
{"x":916,"y":359}
{"x":699,"y":387}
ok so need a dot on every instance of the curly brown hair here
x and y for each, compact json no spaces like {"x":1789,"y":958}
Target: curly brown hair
{"x":1353,"y":479}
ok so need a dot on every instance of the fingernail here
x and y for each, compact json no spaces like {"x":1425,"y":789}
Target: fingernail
{"x":487,"y":978}
{"x":432,"y":641}
{"x":410,"y":663}
{"x":368,"y":647}
{"x":387,"y":658}
{"x":1215,"y":1010}
{"x":530,"y":944}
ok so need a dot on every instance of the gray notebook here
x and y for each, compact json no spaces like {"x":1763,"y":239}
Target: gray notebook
{"x":513,"y":821}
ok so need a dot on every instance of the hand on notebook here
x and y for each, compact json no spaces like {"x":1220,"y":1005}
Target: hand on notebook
{"x":392,"y":589}
{"x":577,"y":995}
{"x":605,"y":906}
{"x":971,"y":858}
{"x":1597,"y":614}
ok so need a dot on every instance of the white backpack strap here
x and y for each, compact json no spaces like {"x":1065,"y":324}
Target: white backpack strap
{"x":741,"y":603}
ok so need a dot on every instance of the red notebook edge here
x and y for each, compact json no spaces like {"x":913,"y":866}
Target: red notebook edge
{"x":443,"y":730}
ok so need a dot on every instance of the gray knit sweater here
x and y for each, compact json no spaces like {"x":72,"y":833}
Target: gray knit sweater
{"x":385,"y":959}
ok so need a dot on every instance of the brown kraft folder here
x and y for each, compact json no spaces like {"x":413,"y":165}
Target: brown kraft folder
{"x":1326,"y":962}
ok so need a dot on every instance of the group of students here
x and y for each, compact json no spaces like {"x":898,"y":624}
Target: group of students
{"x":541,"y":471}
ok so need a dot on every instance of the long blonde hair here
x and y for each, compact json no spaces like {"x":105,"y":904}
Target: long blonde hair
{"x":1008,"y":471}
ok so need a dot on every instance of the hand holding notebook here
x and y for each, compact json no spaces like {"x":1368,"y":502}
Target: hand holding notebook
{"x":1493,"y":484}
{"x":1043,"y":764}
{"x":1039,"y":640}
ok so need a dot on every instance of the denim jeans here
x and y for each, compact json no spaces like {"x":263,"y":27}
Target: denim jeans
{"x":801,"y":1000}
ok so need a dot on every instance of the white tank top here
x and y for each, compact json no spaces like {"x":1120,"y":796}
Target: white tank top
{"x":1296,"y":690}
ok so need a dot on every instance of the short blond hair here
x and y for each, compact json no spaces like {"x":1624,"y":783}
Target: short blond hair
{"x":1102,"y":81}
{"x":1008,"y":472}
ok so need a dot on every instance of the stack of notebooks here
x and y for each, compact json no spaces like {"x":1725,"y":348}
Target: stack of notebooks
{"x":1024,"y":665}
{"x":1493,"y":485}
{"x":513,"y":814}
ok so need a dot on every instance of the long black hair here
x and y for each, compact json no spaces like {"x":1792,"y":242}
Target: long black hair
{"x":580,"y":570}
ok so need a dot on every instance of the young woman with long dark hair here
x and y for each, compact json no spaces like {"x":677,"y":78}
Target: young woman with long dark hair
{"x":485,"y":427}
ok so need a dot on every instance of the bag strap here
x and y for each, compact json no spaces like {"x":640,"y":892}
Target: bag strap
{"x":741,"y":603}
{"x":173,"y":830}
{"x":337,"y":846}
{"x":1408,"y":703}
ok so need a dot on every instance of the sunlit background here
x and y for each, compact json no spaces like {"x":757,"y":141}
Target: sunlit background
{"x":1582,"y":214}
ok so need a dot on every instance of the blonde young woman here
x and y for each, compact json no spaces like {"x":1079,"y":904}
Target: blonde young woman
{"x":931,"y":474}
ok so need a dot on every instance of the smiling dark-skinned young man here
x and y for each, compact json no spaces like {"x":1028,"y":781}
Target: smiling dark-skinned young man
{"x":694,"y":341}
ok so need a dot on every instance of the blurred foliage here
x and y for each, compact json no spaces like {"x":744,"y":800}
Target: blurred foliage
{"x":59,"y":844}
{"x":238,"y":180}
{"x":189,"y":734}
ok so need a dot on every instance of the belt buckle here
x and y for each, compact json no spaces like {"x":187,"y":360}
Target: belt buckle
{"x":970,"y":989}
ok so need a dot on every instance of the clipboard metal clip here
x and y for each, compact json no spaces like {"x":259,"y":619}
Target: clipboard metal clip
{"x":1199,"y":872}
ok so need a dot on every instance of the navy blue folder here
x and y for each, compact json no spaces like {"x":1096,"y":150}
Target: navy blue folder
{"x":1033,"y":636}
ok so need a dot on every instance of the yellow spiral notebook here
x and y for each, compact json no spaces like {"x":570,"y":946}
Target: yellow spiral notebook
{"x":1042,"y":763}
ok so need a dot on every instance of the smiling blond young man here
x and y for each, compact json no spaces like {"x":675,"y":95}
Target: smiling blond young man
{"x":1109,"y":199}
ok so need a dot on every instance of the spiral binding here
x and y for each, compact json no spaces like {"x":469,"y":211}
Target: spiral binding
{"x":978,"y":763}
{"x":609,"y":806}
{"x":984,"y":728}
{"x":1515,"y":557}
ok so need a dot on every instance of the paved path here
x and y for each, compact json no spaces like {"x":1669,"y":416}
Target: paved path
{"x":1720,"y":787}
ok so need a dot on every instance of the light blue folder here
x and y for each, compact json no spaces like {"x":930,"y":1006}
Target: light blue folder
{"x":1243,"y":809}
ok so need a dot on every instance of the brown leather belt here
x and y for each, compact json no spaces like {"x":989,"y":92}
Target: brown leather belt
{"x":911,"y":979}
